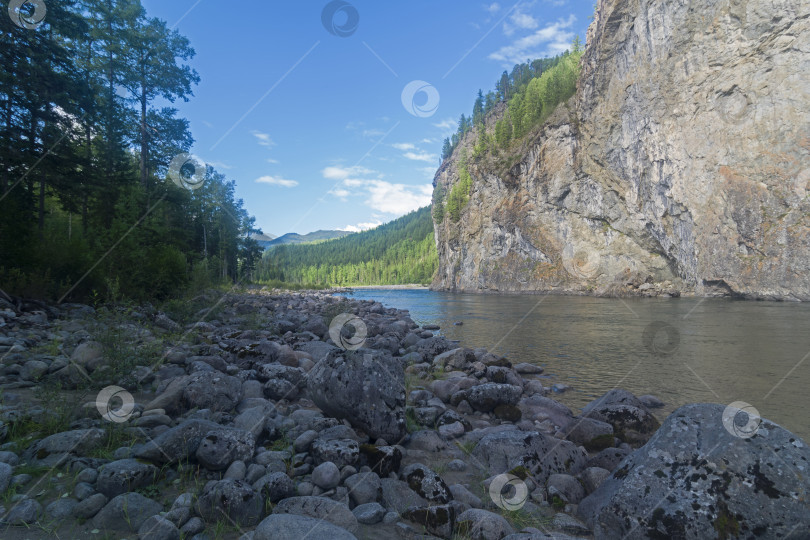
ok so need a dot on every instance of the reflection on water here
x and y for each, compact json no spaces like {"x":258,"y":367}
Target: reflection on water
{"x":681,"y":350}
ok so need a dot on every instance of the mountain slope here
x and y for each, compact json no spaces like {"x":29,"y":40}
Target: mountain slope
{"x":401,"y":251}
{"x":317,"y":236}
{"x":679,"y":166}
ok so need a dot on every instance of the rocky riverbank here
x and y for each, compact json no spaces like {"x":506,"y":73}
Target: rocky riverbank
{"x":271,"y":415}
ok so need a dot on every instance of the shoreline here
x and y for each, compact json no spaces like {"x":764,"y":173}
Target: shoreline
{"x":271,"y":416}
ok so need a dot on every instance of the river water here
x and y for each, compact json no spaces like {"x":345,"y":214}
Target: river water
{"x":681,"y":350}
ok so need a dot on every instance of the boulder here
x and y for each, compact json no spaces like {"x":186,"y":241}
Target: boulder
{"x":296,"y":527}
{"x":212,"y":390}
{"x":24,"y":512}
{"x":341,"y":452}
{"x":369,"y":513}
{"x":696,"y":478}
{"x":126,"y":512}
{"x":477,"y":524}
{"x":221,"y":447}
{"x":233,"y":500}
{"x":176,"y":443}
{"x":623,"y":411}
{"x":275,"y":486}
{"x":124,"y":475}
{"x":55,"y":449}
{"x":438,"y":520}
{"x":486,"y":397}
{"x":320,"y":508}
{"x":426,"y":483}
{"x":397,"y":496}
{"x":531,"y":453}
{"x":363,"y":488}
{"x":366,"y":388}
{"x":158,"y":528}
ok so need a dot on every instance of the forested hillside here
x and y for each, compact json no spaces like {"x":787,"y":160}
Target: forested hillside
{"x":402,"y":251}
{"x":86,"y":140}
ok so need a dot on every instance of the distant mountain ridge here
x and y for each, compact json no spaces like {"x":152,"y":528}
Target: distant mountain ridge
{"x":402,"y":251}
{"x":316,"y":236}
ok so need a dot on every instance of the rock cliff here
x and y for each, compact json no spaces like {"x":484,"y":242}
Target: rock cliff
{"x":681,"y":165}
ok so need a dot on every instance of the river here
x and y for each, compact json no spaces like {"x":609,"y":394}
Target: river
{"x":681,"y":350}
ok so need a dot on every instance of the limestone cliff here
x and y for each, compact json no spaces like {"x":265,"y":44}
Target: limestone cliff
{"x":681,"y":165}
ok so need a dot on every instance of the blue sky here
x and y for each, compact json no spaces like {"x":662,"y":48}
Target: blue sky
{"x":312,"y":124}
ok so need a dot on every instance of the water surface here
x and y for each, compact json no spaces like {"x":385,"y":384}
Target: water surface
{"x":705,"y":350}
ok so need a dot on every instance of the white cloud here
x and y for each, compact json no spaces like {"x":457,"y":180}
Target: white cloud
{"x":404,"y":146}
{"x":276,"y":181}
{"x":373,"y":133}
{"x":362,"y":226}
{"x":337,"y":172}
{"x":447,"y":126}
{"x":273,"y":161}
{"x":519,"y":21}
{"x":550,"y":40}
{"x":420,"y":156}
{"x":427,"y":141}
{"x":263,"y":139}
{"x":493,"y":7}
{"x":429,"y":172}
{"x":340,"y":193}
{"x":397,"y":199}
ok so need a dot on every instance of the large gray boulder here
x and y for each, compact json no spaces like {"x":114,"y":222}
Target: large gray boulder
{"x":57,"y":448}
{"x":623,"y":411}
{"x":365,"y":387}
{"x":126,"y":512}
{"x":295,"y":527}
{"x":334,"y":512}
{"x":695,"y":479}
{"x":176,"y":443}
{"x":212,"y":390}
{"x":125,"y":475}
{"x":485,"y":397}
{"x":232,"y":500}
{"x":221,"y":447}
{"x":528,"y":453}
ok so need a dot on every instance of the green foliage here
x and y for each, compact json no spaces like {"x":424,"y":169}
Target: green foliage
{"x":87,"y":208}
{"x":531,"y":91}
{"x":438,"y":203}
{"x":402,"y":251}
{"x":459,"y":194}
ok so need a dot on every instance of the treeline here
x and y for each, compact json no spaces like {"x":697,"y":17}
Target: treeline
{"x":402,"y":251}
{"x":87,"y":134}
{"x":532,"y":90}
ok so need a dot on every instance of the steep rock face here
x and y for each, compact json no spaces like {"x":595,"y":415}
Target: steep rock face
{"x":682,"y":165}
